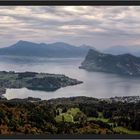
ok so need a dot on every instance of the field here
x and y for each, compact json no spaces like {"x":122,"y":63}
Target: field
{"x":99,"y":118}
{"x":67,"y":116}
{"x":125,"y":130}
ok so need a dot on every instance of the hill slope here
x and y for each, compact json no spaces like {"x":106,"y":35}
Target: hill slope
{"x":125,"y":64}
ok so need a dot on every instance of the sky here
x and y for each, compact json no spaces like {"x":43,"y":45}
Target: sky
{"x":97,"y":26}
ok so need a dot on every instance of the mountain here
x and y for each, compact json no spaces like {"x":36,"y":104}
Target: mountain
{"x":116,"y":50}
{"x":125,"y":64}
{"x":58,"y":49}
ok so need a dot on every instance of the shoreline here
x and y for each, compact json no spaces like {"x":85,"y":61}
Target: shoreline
{"x":123,"y":99}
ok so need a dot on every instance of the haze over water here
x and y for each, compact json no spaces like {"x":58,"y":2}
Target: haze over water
{"x":96,"y":84}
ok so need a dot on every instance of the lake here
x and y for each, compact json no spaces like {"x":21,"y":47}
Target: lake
{"x":96,"y":84}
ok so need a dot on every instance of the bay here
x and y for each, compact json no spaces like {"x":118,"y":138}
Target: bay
{"x":96,"y":84}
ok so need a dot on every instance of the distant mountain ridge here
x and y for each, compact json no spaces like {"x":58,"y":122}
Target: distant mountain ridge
{"x":117,"y":50}
{"x":58,"y":49}
{"x":125,"y":64}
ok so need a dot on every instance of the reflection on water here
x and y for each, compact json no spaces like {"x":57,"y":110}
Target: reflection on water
{"x":96,"y":84}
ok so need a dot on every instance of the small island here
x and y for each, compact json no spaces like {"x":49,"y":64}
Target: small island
{"x":34,"y":81}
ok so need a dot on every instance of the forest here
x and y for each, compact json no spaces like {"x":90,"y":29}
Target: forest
{"x":74,"y":115}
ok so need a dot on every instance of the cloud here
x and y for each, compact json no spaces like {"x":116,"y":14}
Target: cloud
{"x":99,"y":26}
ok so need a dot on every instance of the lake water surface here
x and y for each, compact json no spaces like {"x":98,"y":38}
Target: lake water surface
{"x":96,"y":84}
